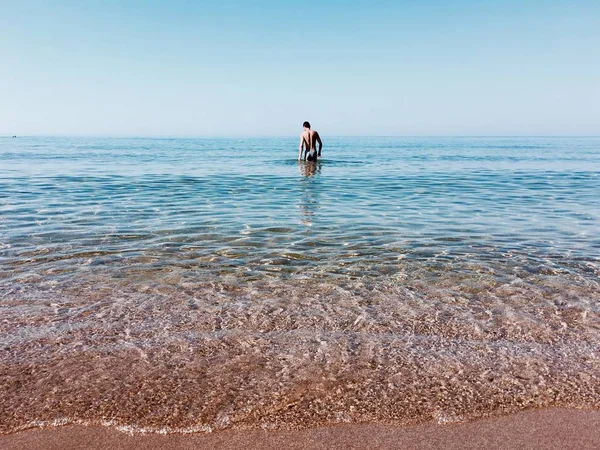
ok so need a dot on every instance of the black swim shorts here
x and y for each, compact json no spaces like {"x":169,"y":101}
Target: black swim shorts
{"x":311,"y":155}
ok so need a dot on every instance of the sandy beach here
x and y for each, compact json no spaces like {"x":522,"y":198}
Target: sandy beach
{"x":536,"y":429}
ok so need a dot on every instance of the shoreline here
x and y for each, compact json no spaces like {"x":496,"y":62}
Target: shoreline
{"x":552,"y":428}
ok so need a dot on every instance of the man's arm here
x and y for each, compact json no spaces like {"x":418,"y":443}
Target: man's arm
{"x":320,"y":143}
{"x":300,"y":148}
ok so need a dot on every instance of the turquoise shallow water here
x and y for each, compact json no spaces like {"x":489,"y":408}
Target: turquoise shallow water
{"x":231,"y":204}
{"x":343,"y":281}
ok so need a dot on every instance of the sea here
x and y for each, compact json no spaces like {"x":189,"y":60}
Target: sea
{"x":193,"y":285}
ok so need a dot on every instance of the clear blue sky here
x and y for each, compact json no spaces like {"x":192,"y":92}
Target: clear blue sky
{"x":214,"y":68}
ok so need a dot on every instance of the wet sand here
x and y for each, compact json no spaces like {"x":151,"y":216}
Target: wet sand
{"x":535,"y":429}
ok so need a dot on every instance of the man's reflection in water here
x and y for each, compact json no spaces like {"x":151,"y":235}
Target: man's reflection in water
{"x":309,"y":201}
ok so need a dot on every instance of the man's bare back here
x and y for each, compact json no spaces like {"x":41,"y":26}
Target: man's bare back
{"x":308,"y":139}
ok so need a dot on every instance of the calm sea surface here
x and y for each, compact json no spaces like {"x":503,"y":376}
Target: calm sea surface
{"x":197,"y":284}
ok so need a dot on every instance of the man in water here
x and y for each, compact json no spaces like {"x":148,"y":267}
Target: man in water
{"x":307,"y":142}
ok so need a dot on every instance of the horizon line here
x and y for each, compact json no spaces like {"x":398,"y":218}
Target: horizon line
{"x":247,"y":136}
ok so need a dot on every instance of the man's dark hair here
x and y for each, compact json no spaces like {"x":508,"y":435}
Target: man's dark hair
{"x":306,"y":125}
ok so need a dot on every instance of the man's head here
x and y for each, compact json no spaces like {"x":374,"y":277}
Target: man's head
{"x":306,"y":125}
